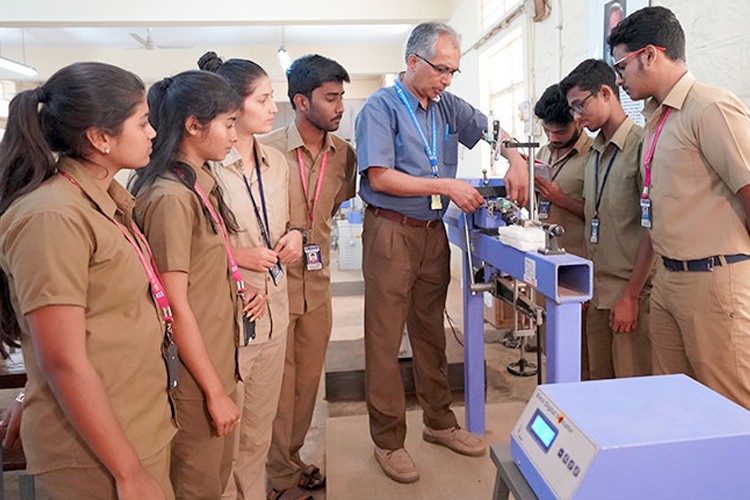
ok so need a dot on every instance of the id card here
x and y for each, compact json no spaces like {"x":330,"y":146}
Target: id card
{"x":276,"y":273}
{"x":313,"y":260}
{"x":544,"y":209}
{"x":436,"y":203}
{"x":594,"y":231}
{"x":172,"y":360}
{"x":646,"y":213}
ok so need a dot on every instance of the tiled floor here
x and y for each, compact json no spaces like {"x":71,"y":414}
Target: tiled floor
{"x":339,"y":440}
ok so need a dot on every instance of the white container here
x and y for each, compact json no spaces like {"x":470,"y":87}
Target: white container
{"x":350,"y":245}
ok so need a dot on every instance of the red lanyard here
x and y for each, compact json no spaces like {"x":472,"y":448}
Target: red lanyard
{"x":219,"y":221}
{"x":157,"y":289}
{"x":650,"y":153}
{"x":318,"y":184}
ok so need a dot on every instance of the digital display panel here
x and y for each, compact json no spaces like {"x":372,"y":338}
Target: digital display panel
{"x":542,"y":430}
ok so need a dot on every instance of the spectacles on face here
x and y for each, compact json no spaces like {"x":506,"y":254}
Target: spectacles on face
{"x":578,"y":106}
{"x":442,"y":70}
{"x":620,"y":67}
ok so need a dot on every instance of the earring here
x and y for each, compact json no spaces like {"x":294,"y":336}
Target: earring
{"x":106,"y":151}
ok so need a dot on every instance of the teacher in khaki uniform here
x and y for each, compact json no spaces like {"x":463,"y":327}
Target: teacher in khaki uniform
{"x":697,"y":195}
{"x":322,"y":172}
{"x":407,"y":140}
{"x":611,"y":192}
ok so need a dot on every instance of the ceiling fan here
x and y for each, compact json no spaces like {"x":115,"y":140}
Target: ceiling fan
{"x":149,"y":44}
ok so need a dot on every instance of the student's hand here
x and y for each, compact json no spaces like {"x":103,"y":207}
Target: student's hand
{"x":11,"y":422}
{"x":548,"y":189}
{"x":289,"y":247}
{"x":624,"y":315}
{"x":141,"y":486}
{"x":224,"y":413}
{"x":259,"y":259}
{"x":463,"y":194}
{"x":255,"y":304}
{"x":517,"y":181}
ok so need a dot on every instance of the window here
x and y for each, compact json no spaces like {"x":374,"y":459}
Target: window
{"x":505,"y":70}
{"x":494,"y":10}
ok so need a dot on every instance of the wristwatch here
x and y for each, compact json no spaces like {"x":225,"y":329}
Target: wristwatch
{"x":303,"y":232}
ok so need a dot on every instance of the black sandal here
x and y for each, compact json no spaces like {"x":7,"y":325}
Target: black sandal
{"x":311,"y":478}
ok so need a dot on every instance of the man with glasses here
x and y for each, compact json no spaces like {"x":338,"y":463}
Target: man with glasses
{"x":407,"y":141}
{"x":612,"y":188}
{"x":696,"y":199}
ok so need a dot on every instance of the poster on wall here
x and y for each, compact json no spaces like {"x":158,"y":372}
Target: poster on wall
{"x":604,"y":15}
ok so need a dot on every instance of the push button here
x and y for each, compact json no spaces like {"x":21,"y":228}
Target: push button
{"x":560,"y":453}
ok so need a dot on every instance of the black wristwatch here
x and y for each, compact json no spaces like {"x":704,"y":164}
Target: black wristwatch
{"x":303,"y":232}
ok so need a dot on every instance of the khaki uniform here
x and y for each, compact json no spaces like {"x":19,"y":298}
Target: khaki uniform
{"x":183,"y":240}
{"x":700,"y":321}
{"x":309,"y":294}
{"x":261,"y":362}
{"x":568,"y":172}
{"x":59,"y":246}
{"x":614,"y":354}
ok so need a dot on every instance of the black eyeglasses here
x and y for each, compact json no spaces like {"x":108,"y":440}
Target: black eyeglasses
{"x":440,"y":69}
{"x":577,"y":107}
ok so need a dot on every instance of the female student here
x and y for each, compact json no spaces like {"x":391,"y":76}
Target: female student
{"x":182,"y":212}
{"x":77,"y":285}
{"x":255,"y":179}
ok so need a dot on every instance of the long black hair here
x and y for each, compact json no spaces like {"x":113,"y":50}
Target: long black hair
{"x":242,"y":74}
{"x":54,"y":118}
{"x":171,"y":102}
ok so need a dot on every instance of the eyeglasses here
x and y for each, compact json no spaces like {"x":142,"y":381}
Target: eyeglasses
{"x":442,"y":70}
{"x":621,"y":69}
{"x":577,"y":107}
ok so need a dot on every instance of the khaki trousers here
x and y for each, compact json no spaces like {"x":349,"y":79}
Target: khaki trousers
{"x":97,"y":483}
{"x":306,"y":344}
{"x":261,"y":367}
{"x":406,"y":271}
{"x":700,"y":326}
{"x":201,"y":460}
{"x":618,"y":354}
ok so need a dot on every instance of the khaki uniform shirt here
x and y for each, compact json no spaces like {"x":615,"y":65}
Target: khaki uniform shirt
{"x":568,"y":171}
{"x":183,"y":240}
{"x":700,"y":162}
{"x":59,"y":246}
{"x":275,"y":179}
{"x":619,"y":214}
{"x":311,"y":289}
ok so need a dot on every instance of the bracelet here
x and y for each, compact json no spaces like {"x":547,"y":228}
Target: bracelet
{"x":20,"y":397}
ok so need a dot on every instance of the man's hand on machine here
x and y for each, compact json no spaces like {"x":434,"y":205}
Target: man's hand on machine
{"x":463,"y":194}
{"x":517,"y":181}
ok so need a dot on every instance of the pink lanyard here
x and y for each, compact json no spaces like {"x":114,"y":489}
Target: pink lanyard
{"x":157,"y":289}
{"x":650,"y":153}
{"x":318,"y":184}
{"x":219,"y":221}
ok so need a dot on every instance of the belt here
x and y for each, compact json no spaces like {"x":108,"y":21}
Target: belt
{"x":706,"y":264}
{"x":402,"y":219}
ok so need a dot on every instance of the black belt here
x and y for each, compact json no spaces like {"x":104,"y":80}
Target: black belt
{"x":706,"y":264}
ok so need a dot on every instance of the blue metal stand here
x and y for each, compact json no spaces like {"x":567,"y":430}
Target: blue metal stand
{"x":566,"y":280}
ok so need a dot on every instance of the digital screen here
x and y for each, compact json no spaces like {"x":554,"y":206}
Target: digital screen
{"x":542,"y":430}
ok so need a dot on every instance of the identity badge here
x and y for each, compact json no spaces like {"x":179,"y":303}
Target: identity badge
{"x":646,"y":213}
{"x":544,"y":209}
{"x":436,"y":203}
{"x":276,"y":273}
{"x":594,"y":231}
{"x":313,"y":260}
{"x":172,"y":360}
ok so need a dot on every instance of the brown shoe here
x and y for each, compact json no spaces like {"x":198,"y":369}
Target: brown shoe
{"x":456,"y":439}
{"x":397,"y":464}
